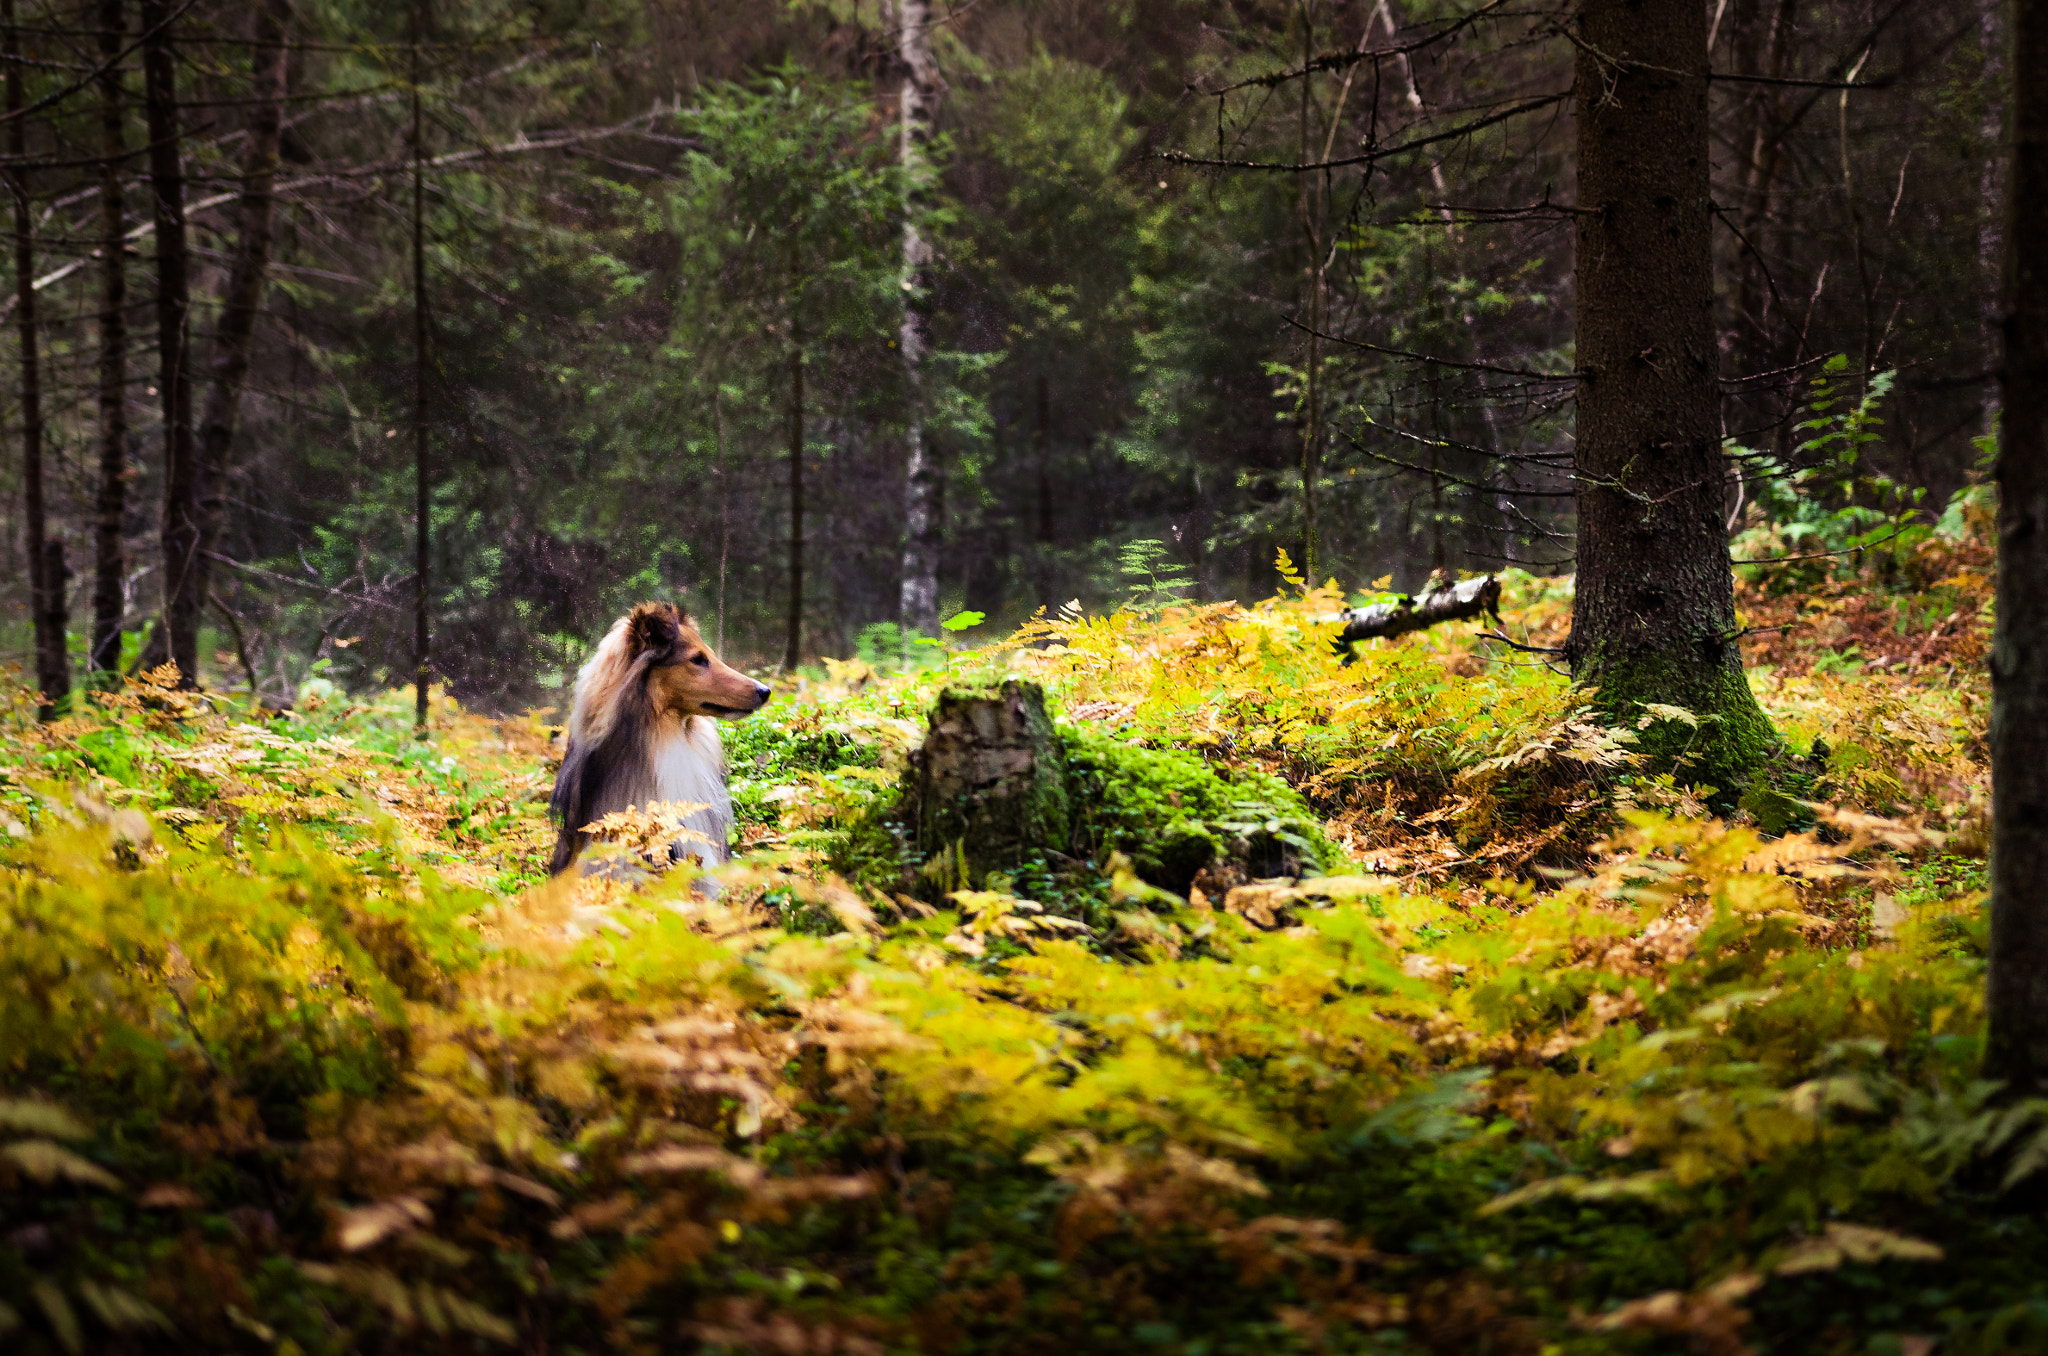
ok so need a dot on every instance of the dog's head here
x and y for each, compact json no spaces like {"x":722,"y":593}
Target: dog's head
{"x":683,"y":676}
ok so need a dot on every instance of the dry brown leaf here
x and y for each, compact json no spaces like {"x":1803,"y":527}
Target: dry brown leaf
{"x":369,"y":1224}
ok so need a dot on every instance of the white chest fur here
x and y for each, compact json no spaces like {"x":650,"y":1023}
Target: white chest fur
{"x":689,"y":765}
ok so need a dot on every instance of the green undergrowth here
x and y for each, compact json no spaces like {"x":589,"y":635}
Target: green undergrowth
{"x":1175,"y":816}
{"x":1387,"y":1007}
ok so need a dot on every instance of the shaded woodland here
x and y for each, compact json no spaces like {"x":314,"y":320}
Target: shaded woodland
{"x":545,"y":254}
{"x":1392,"y":632}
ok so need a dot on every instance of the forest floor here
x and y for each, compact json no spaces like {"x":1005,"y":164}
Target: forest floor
{"x":1524,"y":1051}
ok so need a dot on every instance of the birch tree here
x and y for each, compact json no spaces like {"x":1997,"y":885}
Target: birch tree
{"x":916,"y":102}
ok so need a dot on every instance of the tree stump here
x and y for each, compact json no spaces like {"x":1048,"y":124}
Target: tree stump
{"x":991,"y":783}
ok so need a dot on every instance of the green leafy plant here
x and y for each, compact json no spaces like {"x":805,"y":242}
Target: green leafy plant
{"x":1154,"y":578}
{"x":1361,"y":1000}
{"x":1825,"y":505}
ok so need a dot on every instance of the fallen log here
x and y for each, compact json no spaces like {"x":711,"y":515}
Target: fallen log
{"x":1447,"y":602}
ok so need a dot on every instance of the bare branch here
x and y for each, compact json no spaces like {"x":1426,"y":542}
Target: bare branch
{"x":1374,"y":156}
{"x":1436,"y":361}
{"x":1343,"y":60}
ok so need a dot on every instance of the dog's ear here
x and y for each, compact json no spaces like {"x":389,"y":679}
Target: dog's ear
{"x":653,"y":626}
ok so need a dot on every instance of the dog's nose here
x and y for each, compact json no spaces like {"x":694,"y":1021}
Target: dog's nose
{"x":761,"y":694}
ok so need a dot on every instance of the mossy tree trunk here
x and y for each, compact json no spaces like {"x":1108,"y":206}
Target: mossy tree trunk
{"x":1654,"y":619}
{"x":991,"y":783}
{"x":2017,"y":997}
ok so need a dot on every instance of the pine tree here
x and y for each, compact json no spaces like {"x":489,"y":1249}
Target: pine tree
{"x":1653,"y":619}
{"x":2018,"y":979}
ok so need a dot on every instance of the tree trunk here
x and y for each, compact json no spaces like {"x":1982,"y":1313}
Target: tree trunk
{"x":246,"y":276}
{"x":46,"y":588}
{"x":178,"y":637}
{"x":724,"y":510}
{"x":1044,"y":579}
{"x":110,"y":565}
{"x":2017,"y":997}
{"x":1990,"y":218}
{"x":917,"y":99}
{"x":1041,"y":441}
{"x":421,"y":520}
{"x":991,"y":786}
{"x":1309,"y":195}
{"x":793,"y":650}
{"x":1654,"y":619}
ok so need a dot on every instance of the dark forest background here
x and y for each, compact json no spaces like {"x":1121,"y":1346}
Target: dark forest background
{"x":651,"y":231}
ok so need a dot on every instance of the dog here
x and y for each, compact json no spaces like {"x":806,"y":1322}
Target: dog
{"x":644,"y":728}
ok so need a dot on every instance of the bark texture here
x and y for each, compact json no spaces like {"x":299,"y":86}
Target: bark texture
{"x":991,"y":783}
{"x":1309,"y":189}
{"x":1990,"y":216}
{"x":247,"y":274}
{"x":177,"y":637}
{"x":110,"y":565}
{"x":2017,"y":997}
{"x":1654,"y":618}
{"x":45,"y":555}
{"x":917,"y":100}
{"x":793,"y":650}
{"x":421,"y":521}
{"x":1453,"y":602}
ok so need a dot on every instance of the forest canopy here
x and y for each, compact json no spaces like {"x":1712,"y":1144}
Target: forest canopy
{"x":627,"y":236}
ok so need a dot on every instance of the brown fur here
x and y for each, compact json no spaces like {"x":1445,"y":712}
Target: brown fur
{"x":643,"y":725}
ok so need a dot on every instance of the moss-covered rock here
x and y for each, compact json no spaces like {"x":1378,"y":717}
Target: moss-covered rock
{"x":997,"y":789}
{"x":1174,"y":815}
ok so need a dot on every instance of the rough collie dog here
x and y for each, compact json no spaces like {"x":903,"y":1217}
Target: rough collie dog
{"x":644,"y":728}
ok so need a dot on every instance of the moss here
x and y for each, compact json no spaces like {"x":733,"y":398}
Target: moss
{"x":1774,"y":811}
{"x":991,"y":786}
{"x":1732,"y":740}
{"x":997,"y":789}
{"x":1173,"y":814}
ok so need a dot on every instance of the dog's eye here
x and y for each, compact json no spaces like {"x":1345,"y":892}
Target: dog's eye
{"x":702,"y":661}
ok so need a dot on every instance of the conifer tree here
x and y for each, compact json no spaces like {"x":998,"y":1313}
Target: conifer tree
{"x":247,"y":274}
{"x":45,"y":550}
{"x":1653,"y":617}
{"x":109,"y":559}
{"x":177,"y":636}
{"x":2018,"y":977}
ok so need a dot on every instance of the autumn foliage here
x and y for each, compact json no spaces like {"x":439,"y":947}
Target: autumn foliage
{"x":298,"y":1052}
